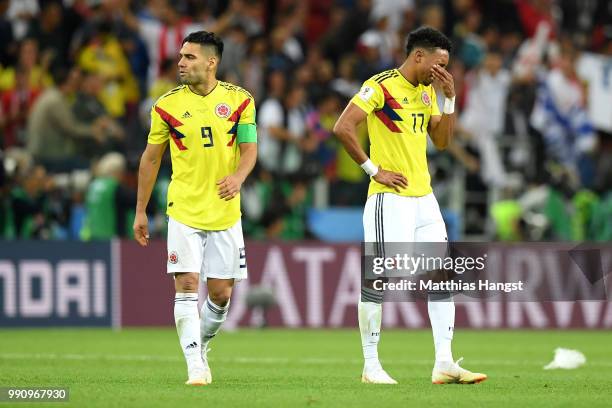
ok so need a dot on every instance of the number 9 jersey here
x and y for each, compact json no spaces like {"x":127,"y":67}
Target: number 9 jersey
{"x":398,"y":118}
{"x":203,"y":135}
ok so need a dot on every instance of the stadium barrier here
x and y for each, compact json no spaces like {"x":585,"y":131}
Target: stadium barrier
{"x":315,"y":285}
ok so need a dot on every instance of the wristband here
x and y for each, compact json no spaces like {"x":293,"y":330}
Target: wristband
{"x":449,"y":105}
{"x":370,"y":168}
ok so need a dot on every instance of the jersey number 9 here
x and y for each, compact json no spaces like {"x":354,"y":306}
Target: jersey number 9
{"x":207,"y":136}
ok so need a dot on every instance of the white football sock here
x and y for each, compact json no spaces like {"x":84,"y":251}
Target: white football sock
{"x":187,"y":322}
{"x":442,"y":318}
{"x":370,"y":317}
{"x":212,"y":317}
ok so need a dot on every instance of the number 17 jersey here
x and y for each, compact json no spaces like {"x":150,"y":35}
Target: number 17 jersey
{"x":398,"y":117}
{"x":202,"y":134}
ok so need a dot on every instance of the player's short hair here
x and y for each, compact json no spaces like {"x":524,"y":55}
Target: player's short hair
{"x":428,"y":38}
{"x":206,"y":38}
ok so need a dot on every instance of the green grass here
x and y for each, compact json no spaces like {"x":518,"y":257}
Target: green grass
{"x":303,"y":368}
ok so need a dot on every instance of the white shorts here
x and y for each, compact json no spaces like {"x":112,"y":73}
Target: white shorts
{"x":389,"y":217}
{"x":401,"y":223}
{"x":213,"y":254}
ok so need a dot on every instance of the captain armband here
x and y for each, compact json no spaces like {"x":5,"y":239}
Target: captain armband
{"x":247,"y":133}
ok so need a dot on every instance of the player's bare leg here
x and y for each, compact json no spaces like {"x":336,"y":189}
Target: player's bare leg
{"x":213,"y":313}
{"x":441,"y":310}
{"x":187,"y":322}
{"x":370,"y":318}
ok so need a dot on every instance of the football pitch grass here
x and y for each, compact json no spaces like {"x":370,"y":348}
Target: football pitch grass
{"x":302,"y":368}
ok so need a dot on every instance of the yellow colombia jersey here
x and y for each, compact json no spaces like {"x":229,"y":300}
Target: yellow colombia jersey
{"x":202,"y":132}
{"x":398,"y":115}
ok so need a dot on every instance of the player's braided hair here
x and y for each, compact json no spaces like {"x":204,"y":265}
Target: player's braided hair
{"x":429,"y":38}
{"x":206,"y":38}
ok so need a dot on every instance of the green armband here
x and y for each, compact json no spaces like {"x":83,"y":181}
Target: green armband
{"x":247,"y":133}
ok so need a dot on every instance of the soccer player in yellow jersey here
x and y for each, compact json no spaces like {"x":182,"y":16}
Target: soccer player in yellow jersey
{"x":400,"y":108}
{"x":210,"y":128}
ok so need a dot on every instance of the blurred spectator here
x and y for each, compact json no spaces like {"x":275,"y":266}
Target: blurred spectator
{"x":283,"y":139}
{"x":163,"y":35}
{"x":319,"y":124}
{"x":284,"y":51}
{"x":248,"y":14}
{"x":15,"y":107}
{"x":253,"y":67}
{"x":109,"y":203}
{"x":534,"y":12}
{"x":166,"y":81}
{"x":269,"y":121}
{"x":28,"y":64}
{"x":472,"y":46}
{"x":346,"y":83}
{"x":346,"y":28}
{"x":329,"y":46}
{"x":88,"y":109}
{"x":235,"y":49}
{"x":28,"y":205}
{"x":433,"y":16}
{"x":7,"y":51}
{"x":559,"y":115}
{"x":396,"y":11}
{"x":380,"y":39}
{"x":595,"y":69}
{"x":103,"y":54}
{"x":51,"y":35}
{"x":21,"y":13}
{"x":53,"y":132}
{"x":485,"y":112}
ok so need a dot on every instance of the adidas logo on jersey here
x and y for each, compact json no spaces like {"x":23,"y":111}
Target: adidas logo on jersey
{"x":405,"y":100}
{"x":186,"y":115}
{"x":192,"y":345}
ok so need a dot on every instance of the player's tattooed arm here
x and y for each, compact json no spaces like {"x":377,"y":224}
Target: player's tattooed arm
{"x":229,"y":186}
{"x":441,"y":127}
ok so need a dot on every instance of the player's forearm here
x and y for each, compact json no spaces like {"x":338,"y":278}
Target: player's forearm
{"x":442,"y":134}
{"x":348,"y":138}
{"x":147,"y":174}
{"x":248,"y":157}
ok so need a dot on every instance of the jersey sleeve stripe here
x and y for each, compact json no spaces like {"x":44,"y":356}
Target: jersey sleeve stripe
{"x":172,"y":123}
{"x":389,"y":99}
{"x":235,"y":118}
{"x":236,"y":115}
{"x":387,"y":121}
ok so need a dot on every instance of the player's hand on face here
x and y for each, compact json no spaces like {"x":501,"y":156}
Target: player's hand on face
{"x":229,"y":187}
{"x":445,"y":79}
{"x":141,"y":229}
{"x":391,"y":179}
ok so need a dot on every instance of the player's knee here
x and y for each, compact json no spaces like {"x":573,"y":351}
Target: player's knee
{"x":220,"y":297}
{"x":186,"y":282}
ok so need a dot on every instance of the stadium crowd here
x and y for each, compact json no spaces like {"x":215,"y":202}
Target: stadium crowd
{"x":532,"y":157}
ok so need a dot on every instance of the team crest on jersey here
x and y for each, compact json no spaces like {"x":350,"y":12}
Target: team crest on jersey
{"x":223,"y":110}
{"x":425,"y":98}
{"x":173,"y":257}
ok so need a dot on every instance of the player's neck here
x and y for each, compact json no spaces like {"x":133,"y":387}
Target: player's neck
{"x":409,"y":74}
{"x":204,"y":88}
